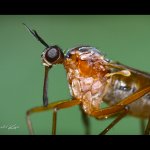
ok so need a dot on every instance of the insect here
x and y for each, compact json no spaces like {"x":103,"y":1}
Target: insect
{"x":94,"y":79}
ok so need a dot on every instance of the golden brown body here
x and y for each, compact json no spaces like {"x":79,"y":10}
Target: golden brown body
{"x":86,"y":72}
{"x":86,"y":77}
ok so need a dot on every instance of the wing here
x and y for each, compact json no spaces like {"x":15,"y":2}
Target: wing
{"x":133,"y":70}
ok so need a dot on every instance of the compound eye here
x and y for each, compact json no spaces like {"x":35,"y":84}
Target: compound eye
{"x":52,"y":54}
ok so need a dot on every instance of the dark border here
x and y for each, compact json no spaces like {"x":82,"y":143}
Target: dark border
{"x":74,"y":7}
{"x":75,"y":142}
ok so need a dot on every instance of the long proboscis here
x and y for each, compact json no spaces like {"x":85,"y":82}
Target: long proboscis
{"x":45,"y":87}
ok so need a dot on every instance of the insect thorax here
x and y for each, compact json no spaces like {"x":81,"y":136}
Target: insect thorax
{"x":86,"y":72}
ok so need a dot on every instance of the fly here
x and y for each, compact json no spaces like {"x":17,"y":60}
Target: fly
{"x":94,"y":79}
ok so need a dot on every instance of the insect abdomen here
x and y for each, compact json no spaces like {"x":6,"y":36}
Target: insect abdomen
{"x":122,"y":87}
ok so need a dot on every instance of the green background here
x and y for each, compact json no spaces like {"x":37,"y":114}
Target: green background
{"x":125,"y":38}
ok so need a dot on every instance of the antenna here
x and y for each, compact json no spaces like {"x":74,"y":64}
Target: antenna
{"x":35,"y":34}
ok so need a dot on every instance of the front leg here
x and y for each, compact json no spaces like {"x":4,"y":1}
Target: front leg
{"x":85,"y":120}
{"x":52,"y":106}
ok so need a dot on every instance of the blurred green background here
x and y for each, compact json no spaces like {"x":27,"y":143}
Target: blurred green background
{"x":125,"y":38}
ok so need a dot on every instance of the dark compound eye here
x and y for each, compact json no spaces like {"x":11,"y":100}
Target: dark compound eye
{"x":53,"y":54}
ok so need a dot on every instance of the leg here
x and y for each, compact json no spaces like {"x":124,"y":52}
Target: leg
{"x":55,"y":107}
{"x":123,"y":114}
{"x":106,"y":112}
{"x":54,"y":121}
{"x":122,"y":105}
{"x":142,"y":124}
{"x":147,"y":130}
{"x":86,"y":121}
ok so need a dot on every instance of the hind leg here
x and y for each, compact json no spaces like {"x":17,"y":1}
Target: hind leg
{"x":119,"y":107}
{"x":122,"y":115}
{"x":147,"y":130}
{"x":142,"y":125}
